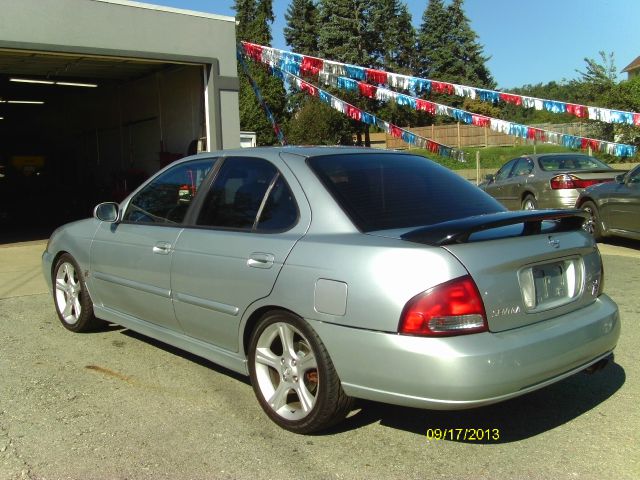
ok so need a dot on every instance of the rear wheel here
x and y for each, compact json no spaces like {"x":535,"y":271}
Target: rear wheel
{"x":592,"y":224}
{"x":292,"y":375}
{"x":529,"y":202}
{"x":73,"y":304}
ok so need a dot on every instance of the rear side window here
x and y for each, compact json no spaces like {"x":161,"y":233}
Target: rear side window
{"x":249,"y":194}
{"x":557,"y":163}
{"x":385,"y":191}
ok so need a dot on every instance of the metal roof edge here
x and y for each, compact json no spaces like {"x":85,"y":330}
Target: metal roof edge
{"x":161,"y":8}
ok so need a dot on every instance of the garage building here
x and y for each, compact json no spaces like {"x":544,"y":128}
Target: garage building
{"x":96,"y":95}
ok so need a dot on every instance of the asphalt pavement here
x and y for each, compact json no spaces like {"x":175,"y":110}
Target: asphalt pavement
{"x":117,"y":405}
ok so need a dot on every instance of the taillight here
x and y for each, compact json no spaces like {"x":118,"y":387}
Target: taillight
{"x":451,"y":308}
{"x":560,"y":182}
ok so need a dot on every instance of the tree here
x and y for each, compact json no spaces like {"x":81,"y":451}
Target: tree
{"x":254,"y":19}
{"x":432,"y":48}
{"x":315,"y":123}
{"x":347,"y":34}
{"x":598,"y":79}
{"x":449,"y":49}
{"x":301,"y":31}
{"x":394,"y":49}
{"x":626,"y":96}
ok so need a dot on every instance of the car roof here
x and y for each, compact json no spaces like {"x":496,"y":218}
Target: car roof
{"x":302,"y":151}
{"x":559,"y":154}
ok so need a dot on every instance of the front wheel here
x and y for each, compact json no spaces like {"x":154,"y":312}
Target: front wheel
{"x":529,"y":203}
{"x":292,"y":375}
{"x":73,"y":304}
{"x":592,"y":224}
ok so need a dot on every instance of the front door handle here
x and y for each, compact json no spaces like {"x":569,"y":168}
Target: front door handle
{"x":260,"y":260}
{"x":162,"y":248}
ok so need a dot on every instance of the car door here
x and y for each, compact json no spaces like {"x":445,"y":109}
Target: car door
{"x":231,"y":255}
{"x":131,"y":259}
{"x":497,"y":187}
{"x":514,"y":185}
{"x":623,"y":204}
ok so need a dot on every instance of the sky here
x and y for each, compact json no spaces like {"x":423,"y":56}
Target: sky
{"x":529,"y":41}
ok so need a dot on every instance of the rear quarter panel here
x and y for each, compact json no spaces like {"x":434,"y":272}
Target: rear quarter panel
{"x":380,"y":274}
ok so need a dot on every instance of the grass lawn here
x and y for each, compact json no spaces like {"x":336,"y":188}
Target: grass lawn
{"x":495,"y":157}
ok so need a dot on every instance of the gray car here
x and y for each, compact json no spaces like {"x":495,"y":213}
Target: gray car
{"x":552,"y":180}
{"x":614,"y":208}
{"x":328,"y":274}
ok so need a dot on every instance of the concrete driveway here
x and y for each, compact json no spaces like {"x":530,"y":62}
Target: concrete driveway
{"x":117,"y":405}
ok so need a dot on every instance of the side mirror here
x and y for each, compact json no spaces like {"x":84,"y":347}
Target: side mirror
{"x":107,"y":212}
{"x":490,"y":177}
{"x":620,"y":178}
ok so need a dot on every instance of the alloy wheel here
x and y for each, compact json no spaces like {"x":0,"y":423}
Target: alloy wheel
{"x":68,"y":290}
{"x":286,"y":371}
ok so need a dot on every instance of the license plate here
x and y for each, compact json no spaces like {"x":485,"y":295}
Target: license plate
{"x":550,"y":282}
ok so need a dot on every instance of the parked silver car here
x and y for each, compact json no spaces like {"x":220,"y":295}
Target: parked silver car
{"x":614,"y":208}
{"x":552,"y":180}
{"x":327,"y":274}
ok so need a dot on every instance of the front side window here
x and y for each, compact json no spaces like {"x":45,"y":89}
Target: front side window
{"x":523,"y":167}
{"x":248,"y":194}
{"x":634,"y":176}
{"x":166,"y":199}
{"x":386,"y":191}
{"x":505,"y":170}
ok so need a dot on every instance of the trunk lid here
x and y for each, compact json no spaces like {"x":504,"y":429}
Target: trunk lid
{"x":530,"y":279}
{"x":528,"y":266}
{"x":595,"y":174}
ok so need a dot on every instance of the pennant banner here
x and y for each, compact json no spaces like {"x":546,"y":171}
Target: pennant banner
{"x":305,"y":66}
{"x":360,"y":115}
{"x":256,"y":90}
{"x":294,"y":68}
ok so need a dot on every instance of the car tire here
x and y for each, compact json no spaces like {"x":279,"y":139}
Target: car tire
{"x":71,"y":298}
{"x":529,"y":202}
{"x":292,"y":375}
{"x":592,"y":224}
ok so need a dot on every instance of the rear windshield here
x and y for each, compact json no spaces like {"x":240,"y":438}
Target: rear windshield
{"x":558,"y":163}
{"x":385,"y":191}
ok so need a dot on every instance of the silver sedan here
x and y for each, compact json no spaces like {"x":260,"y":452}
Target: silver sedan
{"x":552,"y":180}
{"x":328,"y":274}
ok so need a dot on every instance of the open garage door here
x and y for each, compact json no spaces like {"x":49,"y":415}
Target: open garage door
{"x":77,"y":129}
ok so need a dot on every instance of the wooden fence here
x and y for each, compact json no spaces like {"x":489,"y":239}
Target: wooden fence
{"x":459,"y":135}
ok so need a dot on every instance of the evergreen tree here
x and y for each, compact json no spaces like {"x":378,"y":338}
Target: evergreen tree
{"x":448,"y":47}
{"x":395,"y":52}
{"x":347,"y":31}
{"x":469,"y":61}
{"x":301,"y":31}
{"x":433,"y":36}
{"x":254,"y":19}
{"x":395,"y":43}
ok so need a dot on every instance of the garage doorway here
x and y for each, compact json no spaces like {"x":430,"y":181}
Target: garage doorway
{"x":76,"y":130}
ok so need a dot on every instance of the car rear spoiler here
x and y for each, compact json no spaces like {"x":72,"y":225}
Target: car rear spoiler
{"x":459,"y":231}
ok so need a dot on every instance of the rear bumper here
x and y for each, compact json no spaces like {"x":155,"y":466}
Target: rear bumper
{"x":558,"y":198}
{"x":472,"y":370}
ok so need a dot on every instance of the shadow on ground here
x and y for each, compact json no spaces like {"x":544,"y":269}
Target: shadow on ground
{"x":516,"y":419}
{"x":621,"y":242}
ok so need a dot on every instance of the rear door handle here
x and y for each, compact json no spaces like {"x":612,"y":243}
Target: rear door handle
{"x":162,"y":248}
{"x":260,"y":260}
